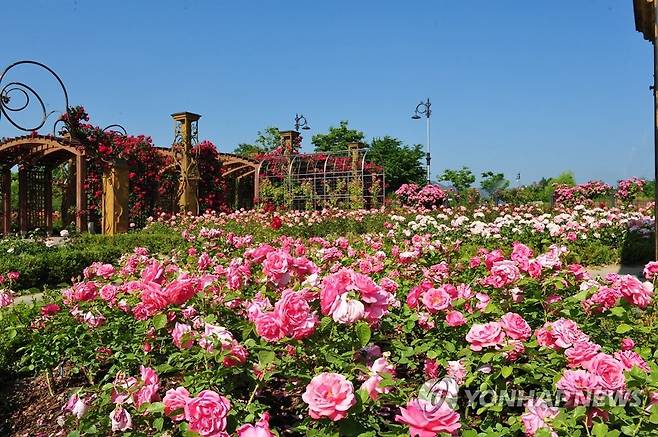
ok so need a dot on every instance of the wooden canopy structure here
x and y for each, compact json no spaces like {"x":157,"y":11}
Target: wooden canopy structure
{"x":36,"y":156}
{"x":646,"y":24}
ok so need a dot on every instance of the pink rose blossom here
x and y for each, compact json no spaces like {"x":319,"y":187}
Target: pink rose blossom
{"x":174,"y":402}
{"x":515,"y":327}
{"x":425,"y":419}
{"x":329,"y":395}
{"x":485,"y":335}
{"x":206,"y":413}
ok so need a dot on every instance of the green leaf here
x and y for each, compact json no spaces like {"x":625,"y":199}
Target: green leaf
{"x":155,"y":407}
{"x":158,"y":423}
{"x":363,"y":332}
{"x":160,"y":321}
{"x":506,"y":371}
{"x":266,"y":357}
{"x":599,"y":430}
{"x":624,"y":328}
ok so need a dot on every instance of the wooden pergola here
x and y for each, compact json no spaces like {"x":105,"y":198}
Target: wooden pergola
{"x":645,"y":23}
{"x":36,"y":156}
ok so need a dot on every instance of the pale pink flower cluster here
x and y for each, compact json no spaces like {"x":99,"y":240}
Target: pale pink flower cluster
{"x":349,"y":296}
{"x":184,"y":336}
{"x":512,"y":330}
{"x":292,"y":316}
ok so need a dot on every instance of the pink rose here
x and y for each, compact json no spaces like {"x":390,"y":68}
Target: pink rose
{"x":372,"y":384}
{"x":275,"y":267}
{"x":515,"y":327}
{"x":537,"y":416}
{"x":120,"y":419}
{"x":260,"y":429}
{"x":206,"y":413}
{"x":180,"y":291}
{"x":566,"y":333}
{"x":105,"y":270}
{"x":329,"y":395}
{"x":630,"y":359}
{"x":183,"y":335}
{"x":269,"y":327}
{"x":347,"y":310}
{"x":627,"y":344}
{"x":174,"y":402}
{"x":456,"y":371}
{"x":503,"y":273}
{"x":427,"y":420}
{"x":455,"y":318}
{"x":578,"y":386}
{"x":582,"y":353}
{"x":436,"y":299}
{"x":484,"y":335}
{"x":609,"y":370}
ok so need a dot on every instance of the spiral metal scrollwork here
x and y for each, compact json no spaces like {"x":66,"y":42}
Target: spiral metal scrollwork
{"x":25,"y":95}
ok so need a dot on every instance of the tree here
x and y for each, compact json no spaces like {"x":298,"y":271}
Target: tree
{"x":461,"y":180}
{"x":266,"y":141}
{"x":493,"y":183}
{"x":401,"y":163}
{"x":337,"y":138}
{"x":248,"y":150}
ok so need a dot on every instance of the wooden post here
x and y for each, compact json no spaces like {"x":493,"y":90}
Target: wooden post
{"x":22,"y":199}
{"x":80,"y":194}
{"x":48,"y":200}
{"x":288,"y":140}
{"x":115,"y":199}
{"x":6,"y":201}
{"x":188,"y":185}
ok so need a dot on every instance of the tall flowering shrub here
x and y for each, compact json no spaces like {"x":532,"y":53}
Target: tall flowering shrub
{"x":429,"y":196}
{"x":628,"y":189}
{"x":212,"y":188}
{"x":580,"y":194}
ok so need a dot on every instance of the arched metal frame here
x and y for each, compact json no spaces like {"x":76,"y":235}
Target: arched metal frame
{"x":319,"y":180}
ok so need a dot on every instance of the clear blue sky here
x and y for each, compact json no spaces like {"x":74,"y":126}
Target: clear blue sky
{"x":516,"y":86}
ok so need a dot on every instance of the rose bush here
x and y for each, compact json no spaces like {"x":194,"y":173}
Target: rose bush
{"x":405,"y":329}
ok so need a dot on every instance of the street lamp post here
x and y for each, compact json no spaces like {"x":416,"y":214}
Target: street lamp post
{"x":300,"y":121}
{"x":423,"y":108}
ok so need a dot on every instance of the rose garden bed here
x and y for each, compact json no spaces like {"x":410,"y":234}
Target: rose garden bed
{"x":363,"y":323}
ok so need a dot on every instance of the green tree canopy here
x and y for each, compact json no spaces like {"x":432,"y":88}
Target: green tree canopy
{"x":266,"y":141}
{"x":461,"y":180}
{"x":401,"y":163}
{"x":493,"y":183}
{"x":337,"y":138}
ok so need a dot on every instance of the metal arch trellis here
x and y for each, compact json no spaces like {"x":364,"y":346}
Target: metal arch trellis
{"x":24,"y":90}
{"x":321,"y":180}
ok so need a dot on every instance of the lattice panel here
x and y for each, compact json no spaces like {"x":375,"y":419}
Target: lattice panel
{"x":36,"y":197}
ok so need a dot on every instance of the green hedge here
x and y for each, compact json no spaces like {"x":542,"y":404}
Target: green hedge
{"x":41,"y":266}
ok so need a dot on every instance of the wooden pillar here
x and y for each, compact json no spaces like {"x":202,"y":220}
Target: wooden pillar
{"x":186,"y":132}
{"x":6,"y":200}
{"x":115,"y":199}
{"x":80,"y":194}
{"x":48,"y":199}
{"x":22,"y":199}
{"x":288,"y":140}
{"x":256,"y":186}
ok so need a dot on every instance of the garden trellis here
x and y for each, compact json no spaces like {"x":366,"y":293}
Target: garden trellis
{"x":344,"y":179}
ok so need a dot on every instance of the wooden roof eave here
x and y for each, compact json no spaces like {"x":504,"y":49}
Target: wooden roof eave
{"x":645,"y":18}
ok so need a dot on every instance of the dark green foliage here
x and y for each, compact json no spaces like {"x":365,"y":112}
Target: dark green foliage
{"x":50,"y":266}
{"x":402,"y":164}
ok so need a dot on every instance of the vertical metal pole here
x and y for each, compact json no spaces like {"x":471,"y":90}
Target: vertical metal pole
{"x":429,"y":158}
{"x":655,"y":122}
